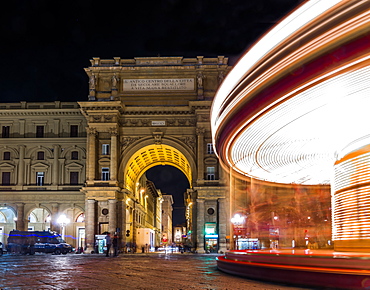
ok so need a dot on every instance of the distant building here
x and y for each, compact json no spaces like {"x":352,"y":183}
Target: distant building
{"x":167,"y":210}
{"x":179,"y":234}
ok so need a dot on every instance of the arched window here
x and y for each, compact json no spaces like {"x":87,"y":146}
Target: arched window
{"x":81,"y":218}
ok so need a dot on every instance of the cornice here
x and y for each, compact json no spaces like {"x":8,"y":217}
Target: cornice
{"x":45,"y":112}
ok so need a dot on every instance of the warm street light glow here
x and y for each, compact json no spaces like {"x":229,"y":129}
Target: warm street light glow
{"x":237,"y":219}
{"x":63,"y":221}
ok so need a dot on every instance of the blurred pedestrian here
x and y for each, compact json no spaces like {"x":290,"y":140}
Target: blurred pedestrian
{"x":115,"y":245}
{"x":108,"y":242}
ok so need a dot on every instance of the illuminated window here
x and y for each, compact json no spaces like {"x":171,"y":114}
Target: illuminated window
{"x":210,"y":173}
{"x":40,"y":178}
{"x":105,"y":173}
{"x":105,"y":149}
{"x":210,"y":148}
{"x":210,"y":229}
{"x":6,"y":155}
{"x":6,"y":132}
{"x":40,"y":155}
{"x":80,"y":218}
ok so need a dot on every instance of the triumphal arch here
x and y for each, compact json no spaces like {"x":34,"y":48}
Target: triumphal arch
{"x":145,"y":112}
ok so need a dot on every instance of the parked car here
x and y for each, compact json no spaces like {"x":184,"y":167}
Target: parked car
{"x":31,"y":242}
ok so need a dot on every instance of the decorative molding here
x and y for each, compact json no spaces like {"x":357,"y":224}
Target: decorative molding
{"x":157,"y":135}
{"x":127,"y":141}
{"x":189,"y":141}
{"x":200,"y":130}
{"x":168,"y":122}
{"x":92,"y":131}
{"x":113,"y":131}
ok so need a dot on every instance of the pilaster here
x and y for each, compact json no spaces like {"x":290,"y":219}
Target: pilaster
{"x":90,"y":225}
{"x":200,"y":225}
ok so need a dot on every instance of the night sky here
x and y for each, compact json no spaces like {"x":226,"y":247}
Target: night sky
{"x":45,"y":45}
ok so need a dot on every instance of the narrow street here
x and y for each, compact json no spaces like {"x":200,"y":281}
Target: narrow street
{"x":129,"y":271}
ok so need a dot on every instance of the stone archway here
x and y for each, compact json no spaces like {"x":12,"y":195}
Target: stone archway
{"x":150,"y":155}
{"x":138,"y":159}
{"x":39,"y":219}
{"x":146,"y":112}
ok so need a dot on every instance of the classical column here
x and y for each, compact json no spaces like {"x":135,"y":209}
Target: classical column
{"x":54,"y":226}
{"x":112,"y":206}
{"x":123,"y":221}
{"x":21,"y":223}
{"x":113,"y":154}
{"x":200,"y":225}
{"x":55,"y":165}
{"x":20,"y":180}
{"x":200,"y":133}
{"x":91,"y":154}
{"x":90,"y":225}
{"x":222,"y":224}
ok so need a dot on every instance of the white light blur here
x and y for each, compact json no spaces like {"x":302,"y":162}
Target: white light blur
{"x":351,"y":197}
{"x":300,"y":140}
{"x":303,"y":15}
{"x":237,"y":219}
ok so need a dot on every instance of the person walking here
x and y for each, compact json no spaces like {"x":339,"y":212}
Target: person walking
{"x":108,"y":242}
{"x":115,"y":245}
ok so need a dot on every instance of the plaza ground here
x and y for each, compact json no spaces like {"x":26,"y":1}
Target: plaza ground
{"x":128,"y":271}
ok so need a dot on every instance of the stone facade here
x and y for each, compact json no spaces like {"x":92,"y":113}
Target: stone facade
{"x":150,"y":111}
{"x":139,"y":113}
{"x":42,"y":166}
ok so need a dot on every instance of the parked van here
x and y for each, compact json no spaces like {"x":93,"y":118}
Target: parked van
{"x":37,"y":241}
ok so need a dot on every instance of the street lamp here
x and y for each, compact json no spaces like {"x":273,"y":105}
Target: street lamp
{"x":237,"y":221}
{"x":63,"y":221}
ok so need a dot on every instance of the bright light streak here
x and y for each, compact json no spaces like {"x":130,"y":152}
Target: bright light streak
{"x":304,"y":14}
{"x":298,"y":141}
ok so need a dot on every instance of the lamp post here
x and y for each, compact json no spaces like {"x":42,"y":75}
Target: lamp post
{"x":63,"y":221}
{"x":237,"y":221}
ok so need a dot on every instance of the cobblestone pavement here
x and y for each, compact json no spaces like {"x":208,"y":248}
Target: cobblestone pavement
{"x":129,"y":271}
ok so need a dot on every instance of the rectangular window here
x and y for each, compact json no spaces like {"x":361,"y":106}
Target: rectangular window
{"x":74,"y":155}
{"x":210,"y":148}
{"x":39,"y":131}
{"x":105,"y":149}
{"x":6,"y":178}
{"x":40,"y":155}
{"x":105,"y":173}
{"x":74,"y":131}
{"x":40,"y":178}
{"x":6,"y":155}
{"x":6,"y":132}
{"x":210,"y":173}
{"x":73,"y":178}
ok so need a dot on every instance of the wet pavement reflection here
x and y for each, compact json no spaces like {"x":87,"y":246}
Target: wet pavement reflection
{"x":129,"y":271}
